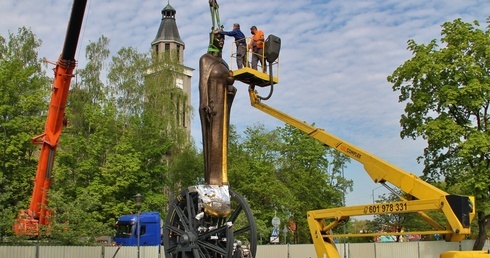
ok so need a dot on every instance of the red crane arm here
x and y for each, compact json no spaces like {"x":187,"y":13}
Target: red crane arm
{"x":28,"y":223}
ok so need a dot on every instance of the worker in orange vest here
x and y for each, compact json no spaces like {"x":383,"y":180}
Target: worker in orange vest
{"x":256,"y":45}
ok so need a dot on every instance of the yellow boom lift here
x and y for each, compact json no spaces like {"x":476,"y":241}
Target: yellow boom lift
{"x":458,"y":210}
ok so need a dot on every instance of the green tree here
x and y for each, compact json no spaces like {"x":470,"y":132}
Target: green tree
{"x":126,"y":82}
{"x":313,"y":174}
{"x":284,"y":172}
{"x":252,"y":173}
{"x":186,"y":169}
{"x":161,"y":135}
{"x":24,"y":88}
{"x":447,"y":93}
{"x":79,"y":191}
{"x":121,"y":139}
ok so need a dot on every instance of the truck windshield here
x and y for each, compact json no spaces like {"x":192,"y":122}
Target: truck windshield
{"x":124,"y":229}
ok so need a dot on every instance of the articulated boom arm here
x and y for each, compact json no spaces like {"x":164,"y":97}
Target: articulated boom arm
{"x":38,"y":214}
{"x":459,"y":210}
{"x":379,"y":170}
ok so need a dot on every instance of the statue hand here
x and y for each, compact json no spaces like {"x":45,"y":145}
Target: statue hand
{"x":208,"y":110}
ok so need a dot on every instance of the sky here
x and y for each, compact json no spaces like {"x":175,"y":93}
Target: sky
{"x":334,"y":60}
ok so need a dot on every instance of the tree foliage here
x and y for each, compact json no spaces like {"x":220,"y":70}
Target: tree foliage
{"x":284,"y":171}
{"x":23,"y":91}
{"x":121,"y":138}
{"x":446,"y":88}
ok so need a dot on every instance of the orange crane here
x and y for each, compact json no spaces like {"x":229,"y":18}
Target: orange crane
{"x":27,"y":222}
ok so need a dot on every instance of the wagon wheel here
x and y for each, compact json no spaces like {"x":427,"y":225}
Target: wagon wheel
{"x":188,"y":237}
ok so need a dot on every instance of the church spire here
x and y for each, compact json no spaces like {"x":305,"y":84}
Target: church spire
{"x":168,"y":37}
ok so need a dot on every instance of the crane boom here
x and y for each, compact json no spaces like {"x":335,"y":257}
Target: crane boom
{"x":27,"y":223}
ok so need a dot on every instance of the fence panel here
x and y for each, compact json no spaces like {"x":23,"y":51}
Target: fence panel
{"x":467,"y":245}
{"x":301,"y":251}
{"x":110,"y":251}
{"x":51,"y":251}
{"x":420,"y":249}
{"x":364,"y":250}
{"x":126,"y":252}
{"x":435,"y":248}
{"x":18,"y":251}
{"x":343,"y":249}
{"x":396,"y":250}
{"x":82,"y":252}
{"x":271,"y":251}
{"x":486,"y":246}
{"x":147,"y":252}
{"x":131,"y":252}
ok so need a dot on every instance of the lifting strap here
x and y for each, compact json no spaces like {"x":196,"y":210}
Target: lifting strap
{"x":216,"y":24}
{"x":214,"y":9}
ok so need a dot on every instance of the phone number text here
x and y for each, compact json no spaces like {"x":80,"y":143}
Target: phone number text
{"x":385,"y":208}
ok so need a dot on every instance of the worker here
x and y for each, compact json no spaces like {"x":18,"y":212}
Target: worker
{"x":256,"y":45}
{"x":216,"y":93}
{"x":241,"y":44}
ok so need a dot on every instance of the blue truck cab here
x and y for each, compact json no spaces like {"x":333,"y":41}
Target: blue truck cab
{"x":150,"y":229}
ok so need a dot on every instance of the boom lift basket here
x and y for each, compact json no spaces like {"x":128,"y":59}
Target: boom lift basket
{"x":259,"y":77}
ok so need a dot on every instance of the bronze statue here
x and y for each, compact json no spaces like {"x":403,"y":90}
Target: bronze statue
{"x":216,"y":92}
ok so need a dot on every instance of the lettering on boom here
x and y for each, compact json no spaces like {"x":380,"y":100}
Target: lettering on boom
{"x":396,"y":207}
{"x":354,"y":153}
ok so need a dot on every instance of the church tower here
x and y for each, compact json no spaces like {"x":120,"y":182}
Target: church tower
{"x":168,"y":37}
{"x":168,"y":40}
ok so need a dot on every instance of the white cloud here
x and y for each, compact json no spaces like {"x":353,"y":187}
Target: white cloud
{"x":335,"y":56}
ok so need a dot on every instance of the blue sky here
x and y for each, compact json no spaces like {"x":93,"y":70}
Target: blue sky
{"x":335,"y":57}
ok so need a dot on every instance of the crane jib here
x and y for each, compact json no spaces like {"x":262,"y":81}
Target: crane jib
{"x":73,"y":30}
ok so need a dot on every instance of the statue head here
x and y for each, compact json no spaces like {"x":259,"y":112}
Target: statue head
{"x":216,"y":41}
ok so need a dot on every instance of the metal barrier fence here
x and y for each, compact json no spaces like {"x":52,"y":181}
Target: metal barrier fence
{"x":419,"y":249}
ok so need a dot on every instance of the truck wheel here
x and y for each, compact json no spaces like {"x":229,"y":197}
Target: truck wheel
{"x":185,"y":236}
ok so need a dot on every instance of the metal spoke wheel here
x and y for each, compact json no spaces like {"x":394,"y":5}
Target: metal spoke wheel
{"x":187,"y":235}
